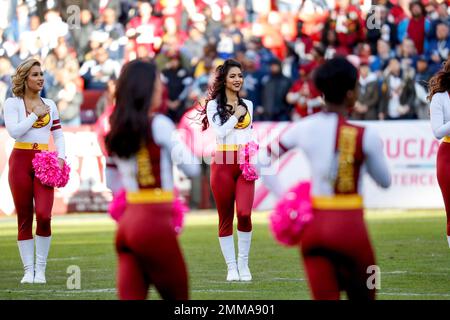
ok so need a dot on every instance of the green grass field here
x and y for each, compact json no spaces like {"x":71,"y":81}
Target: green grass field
{"x":411,"y":250}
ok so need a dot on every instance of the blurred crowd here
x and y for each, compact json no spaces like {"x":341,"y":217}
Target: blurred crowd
{"x":397,"y":45}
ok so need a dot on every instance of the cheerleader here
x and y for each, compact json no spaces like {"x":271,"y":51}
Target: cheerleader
{"x":335,"y":246}
{"x":231,"y":118}
{"x":143,"y":146}
{"x":29,"y":119}
{"x":440,"y":123}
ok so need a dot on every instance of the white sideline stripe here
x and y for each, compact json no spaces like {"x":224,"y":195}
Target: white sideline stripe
{"x":288,"y":279}
{"x":414,"y":294}
{"x":224,"y":291}
{"x":417,"y":273}
{"x":259,"y":280}
{"x":63,"y":259}
{"x":113,"y":290}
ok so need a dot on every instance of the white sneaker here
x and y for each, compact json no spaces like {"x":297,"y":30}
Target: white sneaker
{"x":233,"y":275}
{"x":28,"y":277}
{"x":39,"y":277}
{"x":244,"y":271}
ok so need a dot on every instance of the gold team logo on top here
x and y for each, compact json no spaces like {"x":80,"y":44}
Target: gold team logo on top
{"x":42,"y":121}
{"x":244,"y":123}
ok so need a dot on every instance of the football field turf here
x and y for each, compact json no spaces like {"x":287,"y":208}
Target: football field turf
{"x":411,"y":251}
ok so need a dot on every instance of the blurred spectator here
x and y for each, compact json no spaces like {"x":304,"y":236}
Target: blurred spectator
{"x":208,"y":56}
{"x":423,"y":73}
{"x":275,"y":89}
{"x":146,"y":29}
{"x":199,"y":89}
{"x":212,"y":26}
{"x":416,"y":28}
{"x":439,"y":16}
{"x":241,"y":22}
{"x":67,"y":97}
{"x":98,"y":71}
{"x":107,"y":100}
{"x":252,"y":82}
{"x":380,"y":61}
{"x":316,"y":59}
{"x":92,"y":6}
{"x":330,"y":42}
{"x":170,"y":46}
{"x":115,"y":34}
{"x":264,"y":54}
{"x":230,"y":39}
{"x":82,"y":34}
{"x":407,"y":54}
{"x":194,"y":46}
{"x":171,"y":29}
{"x":302,"y":44}
{"x":397,"y":93}
{"x":367,"y":103}
{"x":178,"y":82}
{"x":51,"y":30}
{"x":31,"y":37}
{"x":385,"y":29}
{"x":20,"y":23}
{"x":291,"y":64}
{"x":65,"y":58}
{"x":101,"y":6}
{"x":346,"y":20}
{"x":438,"y":49}
{"x":19,"y":52}
{"x":305,"y":98}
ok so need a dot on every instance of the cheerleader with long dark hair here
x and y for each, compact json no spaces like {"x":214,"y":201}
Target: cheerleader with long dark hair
{"x":231,"y":118}
{"x":143,"y":146}
{"x":439,"y":90}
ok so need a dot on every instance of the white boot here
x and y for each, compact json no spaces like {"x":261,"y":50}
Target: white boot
{"x":227,"y":246}
{"x":26,"y":250}
{"x":244,"y":242}
{"x":448,"y":239}
{"x":42,"y":248}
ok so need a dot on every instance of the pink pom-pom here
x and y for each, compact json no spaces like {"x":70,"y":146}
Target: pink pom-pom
{"x":248,"y":170}
{"x":292,"y":213}
{"x":47,"y":170}
{"x":180,"y":208}
{"x":118,"y":205}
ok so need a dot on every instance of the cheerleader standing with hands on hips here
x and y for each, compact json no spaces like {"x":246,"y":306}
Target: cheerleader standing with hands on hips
{"x":439,"y":86}
{"x":231,"y":119}
{"x":335,"y":245}
{"x":30,"y":119}
{"x":143,"y":146}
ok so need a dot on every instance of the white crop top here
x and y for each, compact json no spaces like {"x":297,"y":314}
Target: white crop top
{"x":27,"y":128}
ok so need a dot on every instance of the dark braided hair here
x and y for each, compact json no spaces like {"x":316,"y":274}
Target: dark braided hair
{"x":217,"y":92}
